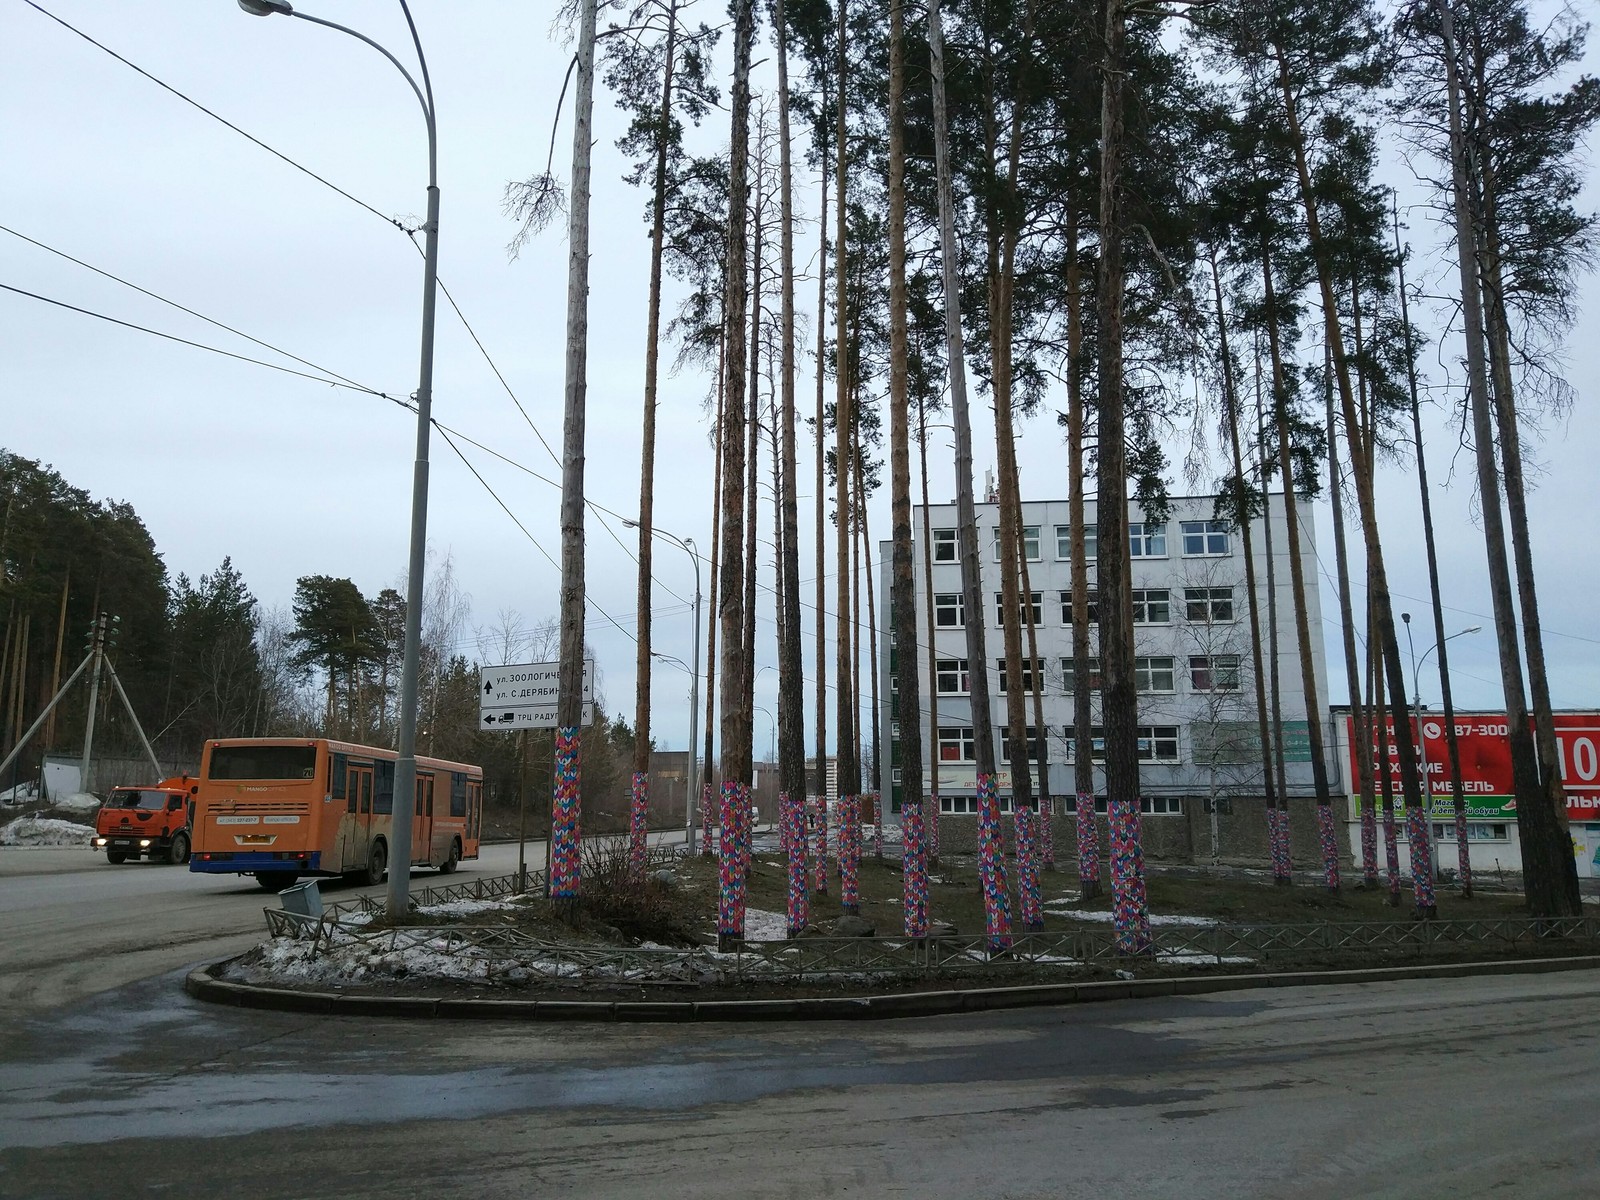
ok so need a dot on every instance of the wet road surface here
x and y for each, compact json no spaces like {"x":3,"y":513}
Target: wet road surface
{"x":1460,"y":1087}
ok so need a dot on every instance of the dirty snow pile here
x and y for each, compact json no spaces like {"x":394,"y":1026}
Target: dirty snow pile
{"x":76,"y":802}
{"x":44,"y":831}
{"x":1056,"y":909}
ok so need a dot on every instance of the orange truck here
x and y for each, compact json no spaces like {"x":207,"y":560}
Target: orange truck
{"x":147,"y":821}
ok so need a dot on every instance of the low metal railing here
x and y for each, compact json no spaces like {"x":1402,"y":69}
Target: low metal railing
{"x":502,"y":949}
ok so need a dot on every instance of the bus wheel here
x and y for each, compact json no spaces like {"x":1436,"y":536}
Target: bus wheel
{"x":116,"y":857}
{"x":178,"y":852}
{"x":377,"y":864}
{"x":454,"y":857}
{"x":275,"y":881}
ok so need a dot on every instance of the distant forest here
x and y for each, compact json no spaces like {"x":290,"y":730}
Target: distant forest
{"x":201,"y":658}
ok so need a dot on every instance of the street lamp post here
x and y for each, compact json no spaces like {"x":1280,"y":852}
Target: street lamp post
{"x":688,"y":547}
{"x":1416,"y":708}
{"x":398,"y":897}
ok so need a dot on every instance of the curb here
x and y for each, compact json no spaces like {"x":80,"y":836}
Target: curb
{"x":203,"y":984}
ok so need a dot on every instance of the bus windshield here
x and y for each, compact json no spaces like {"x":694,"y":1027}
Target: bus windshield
{"x":263,"y":762}
{"x":133,"y":798}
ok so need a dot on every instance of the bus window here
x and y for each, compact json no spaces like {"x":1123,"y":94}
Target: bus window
{"x":383,"y":786}
{"x":458,"y":794}
{"x":336,"y":782}
{"x":366,"y":792}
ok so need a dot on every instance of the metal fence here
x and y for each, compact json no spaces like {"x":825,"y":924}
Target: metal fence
{"x":501,"y":951}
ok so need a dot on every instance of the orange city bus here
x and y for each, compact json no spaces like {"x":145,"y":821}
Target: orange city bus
{"x":280,"y":808}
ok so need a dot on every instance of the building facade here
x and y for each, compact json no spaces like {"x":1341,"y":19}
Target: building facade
{"x":1198,"y":731}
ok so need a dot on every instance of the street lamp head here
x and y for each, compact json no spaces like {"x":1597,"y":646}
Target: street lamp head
{"x":626,"y":524}
{"x":266,"y":8}
{"x":1473,"y":629}
{"x":1406,"y":617}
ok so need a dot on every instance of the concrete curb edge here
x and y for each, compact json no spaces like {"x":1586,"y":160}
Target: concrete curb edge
{"x":203,"y":984}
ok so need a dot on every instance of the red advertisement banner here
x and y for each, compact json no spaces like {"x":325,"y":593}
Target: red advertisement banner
{"x":1485,"y":749}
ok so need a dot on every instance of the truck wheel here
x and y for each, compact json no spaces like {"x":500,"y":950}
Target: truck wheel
{"x":449,"y":864}
{"x":178,"y":851}
{"x":377,"y":865}
{"x":116,"y":857}
{"x":275,"y":881}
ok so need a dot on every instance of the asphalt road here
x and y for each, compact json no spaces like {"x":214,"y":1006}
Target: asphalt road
{"x":71,"y":924}
{"x":111,"y":1088}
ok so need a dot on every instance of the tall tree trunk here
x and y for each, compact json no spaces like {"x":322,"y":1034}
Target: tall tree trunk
{"x":1548,"y":869}
{"x":735,"y":715}
{"x":1082,"y":693}
{"x":1297,"y":581}
{"x":1452,"y":746}
{"x":1278,"y":818}
{"x":1382,"y":723}
{"x":849,"y":770}
{"x":1230,"y":400}
{"x":930,"y":810}
{"x":1362,"y":469}
{"x":991,"y":859}
{"x":791,"y":669}
{"x":565,"y":814}
{"x":819,"y":492}
{"x":709,"y":808}
{"x":1360,"y":725}
{"x":647,"y":464}
{"x":1119,"y":697}
{"x":752,"y":490}
{"x":55,"y":670}
{"x":870,"y":568}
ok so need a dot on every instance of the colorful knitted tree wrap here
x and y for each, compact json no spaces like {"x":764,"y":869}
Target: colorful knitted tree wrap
{"x":1028,"y":872}
{"x":1328,"y":842}
{"x":1047,"y":830}
{"x":1421,"y":858}
{"x":1369,"y":843}
{"x":992,"y":867}
{"x":730,"y":918}
{"x":1088,"y":841}
{"x":877,"y":824}
{"x":850,"y":853}
{"x":792,"y":819}
{"x":638,"y":824}
{"x":1282,"y":857}
{"x":914,"y":846}
{"x":930,"y":823}
{"x":745,"y":824}
{"x":820,"y":879}
{"x":1130,"y":911}
{"x":1463,"y":859}
{"x":1391,"y":851}
{"x":564,"y":817}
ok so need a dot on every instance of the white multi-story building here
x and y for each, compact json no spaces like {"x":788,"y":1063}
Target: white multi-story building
{"x":1198,"y":730}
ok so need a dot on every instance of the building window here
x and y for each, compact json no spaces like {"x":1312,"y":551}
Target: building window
{"x":1205,"y":605}
{"x":1154,"y":806}
{"x":950,"y":677}
{"x":944,"y":545}
{"x":1146,"y":539}
{"x":894,"y":776}
{"x":894,"y":728}
{"x":1030,"y":543}
{"x":1158,"y":743}
{"x":1477,"y":831}
{"x":950,"y":610}
{"x":1029,"y":666}
{"x":956,"y":744}
{"x":1033,"y":744}
{"x":1154,"y":674}
{"x":1214,"y":672}
{"x":1031,"y":608}
{"x":1066,"y":607}
{"x":1097,"y":744}
{"x":1068,"y":683}
{"x":1204,"y":538}
{"x":1152,"y":606}
{"x":958,"y":804}
{"x":1091,"y":543}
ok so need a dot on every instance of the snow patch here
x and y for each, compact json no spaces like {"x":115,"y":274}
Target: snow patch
{"x":45,"y":831}
{"x":1054,"y":908}
{"x":763,"y":926}
{"x":77,"y":802}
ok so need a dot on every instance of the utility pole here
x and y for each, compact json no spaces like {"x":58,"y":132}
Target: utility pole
{"x":97,"y":656}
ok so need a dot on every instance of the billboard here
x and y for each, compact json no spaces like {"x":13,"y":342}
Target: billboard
{"x":1484,"y":745}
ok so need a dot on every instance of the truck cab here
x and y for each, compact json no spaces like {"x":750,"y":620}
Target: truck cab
{"x":151,"y":822}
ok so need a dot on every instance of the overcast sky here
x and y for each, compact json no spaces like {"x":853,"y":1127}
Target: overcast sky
{"x":291,"y":477}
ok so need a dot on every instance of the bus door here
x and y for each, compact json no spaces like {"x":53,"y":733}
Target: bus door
{"x":358,"y":789}
{"x":422,"y":822}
